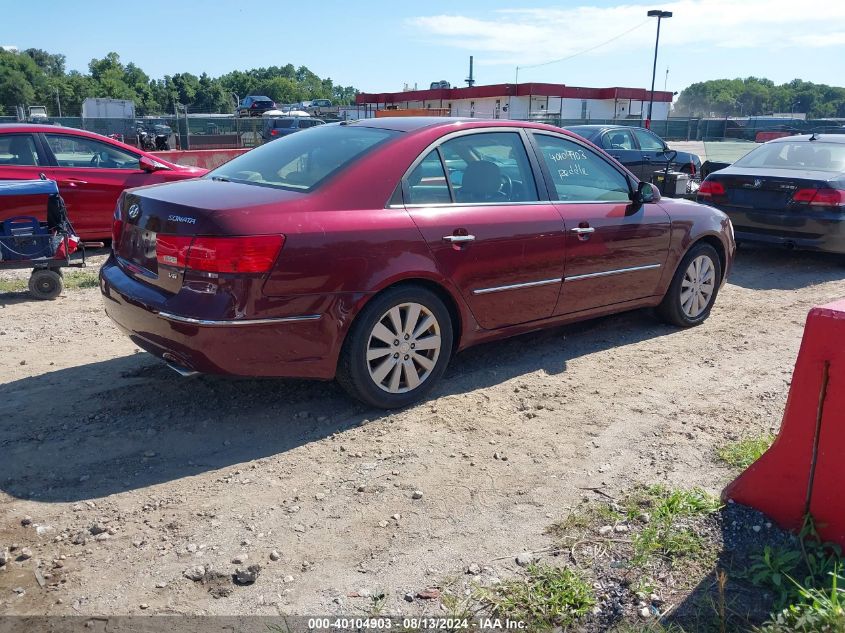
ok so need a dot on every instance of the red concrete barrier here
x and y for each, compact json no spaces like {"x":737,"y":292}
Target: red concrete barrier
{"x":207,"y":158}
{"x":762,"y":137}
{"x":804,"y":470}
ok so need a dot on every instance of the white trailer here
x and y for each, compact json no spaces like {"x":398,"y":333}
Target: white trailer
{"x":102,"y":108}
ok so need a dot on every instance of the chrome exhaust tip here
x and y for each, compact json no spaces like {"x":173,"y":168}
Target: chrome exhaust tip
{"x":182,"y":370}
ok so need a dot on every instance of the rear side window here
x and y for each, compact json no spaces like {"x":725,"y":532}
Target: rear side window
{"x":490,"y":167}
{"x":18,"y":149}
{"x":283,"y":123}
{"x":648,"y":141}
{"x":579,"y":174}
{"x":302,"y":161}
{"x":427,"y":182}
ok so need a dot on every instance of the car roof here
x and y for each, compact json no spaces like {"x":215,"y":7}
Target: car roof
{"x":413,"y":123}
{"x":827,"y":138}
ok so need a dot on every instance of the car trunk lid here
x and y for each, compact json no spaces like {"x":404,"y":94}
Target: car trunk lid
{"x":761,"y":190}
{"x":156,"y":226}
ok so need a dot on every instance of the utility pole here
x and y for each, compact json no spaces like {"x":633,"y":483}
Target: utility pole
{"x":59,"y":102}
{"x":659,"y":14}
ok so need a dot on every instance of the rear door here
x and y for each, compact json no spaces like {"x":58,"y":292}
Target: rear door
{"x":21,"y":158}
{"x":653,"y":151}
{"x":488,"y":227}
{"x":615,"y":249}
{"x":91,"y":175}
{"x":620,"y":144}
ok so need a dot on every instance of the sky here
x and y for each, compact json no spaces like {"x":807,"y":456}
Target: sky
{"x":382,"y":45}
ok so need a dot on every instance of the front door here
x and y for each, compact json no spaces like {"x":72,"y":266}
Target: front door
{"x":654,"y":151}
{"x":487,"y":228}
{"x":91,"y":175}
{"x":615,"y":249}
{"x":20,"y":159}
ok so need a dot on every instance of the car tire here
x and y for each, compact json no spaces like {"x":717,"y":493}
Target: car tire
{"x":45,"y":284}
{"x":382,"y":357}
{"x":694,"y":287}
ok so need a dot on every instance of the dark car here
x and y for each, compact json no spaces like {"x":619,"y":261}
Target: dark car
{"x":789,"y":191}
{"x":277,"y":127}
{"x":351,"y":251}
{"x":639,"y":149}
{"x":255,"y":106}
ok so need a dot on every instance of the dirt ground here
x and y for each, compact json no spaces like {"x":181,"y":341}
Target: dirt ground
{"x":173,"y":473}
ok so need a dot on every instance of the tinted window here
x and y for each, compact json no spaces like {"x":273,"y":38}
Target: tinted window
{"x":78,"y":151}
{"x":18,"y":149}
{"x":427,"y":182}
{"x":618,"y":139}
{"x":283,"y":123}
{"x":489,"y":167}
{"x":816,"y":155}
{"x":580,"y":174}
{"x":649,"y":141}
{"x":302,"y":161}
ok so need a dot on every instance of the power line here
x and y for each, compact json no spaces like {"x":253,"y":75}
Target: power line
{"x":586,"y":50}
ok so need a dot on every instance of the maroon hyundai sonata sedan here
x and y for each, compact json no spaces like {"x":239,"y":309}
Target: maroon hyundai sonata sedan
{"x":372,"y":251}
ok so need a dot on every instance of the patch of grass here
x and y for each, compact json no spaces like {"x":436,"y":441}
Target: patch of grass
{"x":547,"y":597}
{"x":72,"y":281}
{"x":665,"y":534}
{"x":13,"y":285}
{"x":744,"y":452}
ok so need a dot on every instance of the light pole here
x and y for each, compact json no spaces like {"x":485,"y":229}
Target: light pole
{"x":659,"y":14}
{"x":792,"y":109}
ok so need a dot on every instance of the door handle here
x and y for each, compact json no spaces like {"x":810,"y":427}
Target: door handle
{"x":583,"y":230}
{"x":458,"y":239}
{"x":647,"y":158}
{"x":73,"y":182}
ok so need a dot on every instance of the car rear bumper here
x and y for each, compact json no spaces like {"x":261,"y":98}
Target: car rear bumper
{"x":820,"y":231}
{"x":296,"y":346}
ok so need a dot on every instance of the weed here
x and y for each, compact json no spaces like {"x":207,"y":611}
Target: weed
{"x":743,"y":453}
{"x":547,"y":597}
{"x":72,"y":281}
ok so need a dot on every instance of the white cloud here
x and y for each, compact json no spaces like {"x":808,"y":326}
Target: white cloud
{"x":531,"y":36}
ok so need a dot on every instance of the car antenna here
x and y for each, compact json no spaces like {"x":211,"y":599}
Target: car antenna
{"x":813,"y":136}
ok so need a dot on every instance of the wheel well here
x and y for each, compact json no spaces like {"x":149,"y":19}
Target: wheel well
{"x":443,"y":294}
{"x":716,"y":243}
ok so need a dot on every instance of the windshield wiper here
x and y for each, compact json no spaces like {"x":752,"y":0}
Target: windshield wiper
{"x":220,"y":179}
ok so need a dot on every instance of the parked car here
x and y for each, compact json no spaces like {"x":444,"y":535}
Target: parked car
{"x":789,"y":191}
{"x":321,"y":103}
{"x":282,"y":126}
{"x":91,"y":171}
{"x":255,"y":105}
{"x":639,"y":149}
{"x":349,"y":251}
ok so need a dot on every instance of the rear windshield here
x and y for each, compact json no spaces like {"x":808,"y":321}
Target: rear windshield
{"x":812,"y":155}
{"x":277,"y":123}
{"x":302,"y":161}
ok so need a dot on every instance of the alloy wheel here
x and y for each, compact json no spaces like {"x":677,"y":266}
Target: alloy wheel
{"x":697,"y":286}
{"x":403,"y":347}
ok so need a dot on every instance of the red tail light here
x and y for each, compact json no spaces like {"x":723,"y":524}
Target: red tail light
{"x":692,"y":169}
{"x":116,"y":232}
{"x":711,"y":188}
{"x":820,"y":197}
{"x":274,"y":132}
{"x":245,"y":254}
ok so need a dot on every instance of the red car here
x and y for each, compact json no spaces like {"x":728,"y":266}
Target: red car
{"x":372,"y":251}
{"x":91,"y":171}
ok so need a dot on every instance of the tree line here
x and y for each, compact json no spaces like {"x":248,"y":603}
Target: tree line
{"x":757,"y":96}
{"x":37,"y":77}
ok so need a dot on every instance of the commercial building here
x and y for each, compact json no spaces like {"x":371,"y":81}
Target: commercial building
{"x":524,"y":101}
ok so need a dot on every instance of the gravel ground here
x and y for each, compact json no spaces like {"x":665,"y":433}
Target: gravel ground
{"x":120,"y":478}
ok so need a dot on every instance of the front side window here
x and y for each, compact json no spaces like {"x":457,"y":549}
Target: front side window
{"x":302,"y":161}
{"x":489,"y":167}
{"x":649,"y":141}
{"x":18,"y":149}
{"x":78,"y":151}
{"x":618,"y":139}
{"x":579,"y":174}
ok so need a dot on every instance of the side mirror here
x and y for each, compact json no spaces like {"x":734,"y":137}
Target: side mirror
{"x":149,"y":165}
{"x":646,"y":192}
